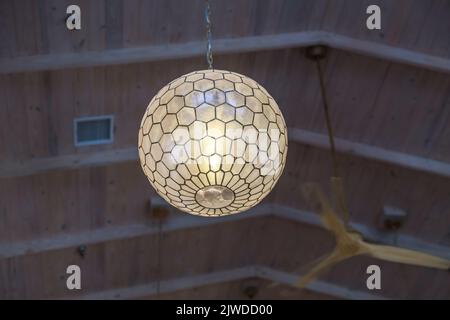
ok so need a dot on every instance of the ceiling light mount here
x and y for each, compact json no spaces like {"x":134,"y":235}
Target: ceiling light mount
{"x":159,"y":209}
{"x":318,"y":52}
{"x":250,"y":291}
{"x":393,"y":218}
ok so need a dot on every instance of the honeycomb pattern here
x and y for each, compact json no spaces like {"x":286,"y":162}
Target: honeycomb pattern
{"x":213,"y":143}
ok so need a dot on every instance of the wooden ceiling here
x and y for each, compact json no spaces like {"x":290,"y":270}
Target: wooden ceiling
{"x":35,"y":27}
{"x":389,"y":93}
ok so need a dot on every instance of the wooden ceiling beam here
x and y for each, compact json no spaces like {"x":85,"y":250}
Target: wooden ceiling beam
{"x":66,"y":162}
{"x":196,"y":281}
{"x":318,"y":286}
{"x":223,"y":46}
{"x":173,"y":285}
{"x":155,"y":52}
{"x":386,"y":52}
{"x":184,"y":221}
{"x":319,"y":140}
{"x":373,"y":153}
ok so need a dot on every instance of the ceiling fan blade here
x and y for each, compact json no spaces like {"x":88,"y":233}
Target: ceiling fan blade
{"x":401,"y":255}
{"x":341,"y":199}
{"x":322,"y":266}
{"x":329,"y":217}
{"x":302,"y":269}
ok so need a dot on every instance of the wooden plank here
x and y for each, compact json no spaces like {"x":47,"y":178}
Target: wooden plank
{"x":186,"y":221}
{"x":372,"y":152}
{"x":390,"y":53}
{"x":29,"y":167}
{"x":316,"y":286}
{"x":235,"y":290}
{"x":195,"y":281}
{"x":222,"y":46}
{"x":154,"y":53}
{"x":179,"y":221}
{"x":172,"y":285}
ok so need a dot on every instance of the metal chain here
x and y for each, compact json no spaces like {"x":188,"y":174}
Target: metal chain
{"x":209,"y":57}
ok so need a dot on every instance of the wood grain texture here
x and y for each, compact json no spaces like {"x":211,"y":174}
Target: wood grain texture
{"x":223,"y":46}
{"x":231,"y":284}
{"x":389,"y":93}
{"x":372,"y":102}
{"x":183,"y":222}
{"x":234,"y":290}
{"x":300,"y":136}
{"x":132,"y":262}
{"x":39,"y":27}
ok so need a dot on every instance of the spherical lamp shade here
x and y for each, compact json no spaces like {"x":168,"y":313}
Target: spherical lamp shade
{"x":213,"y":143}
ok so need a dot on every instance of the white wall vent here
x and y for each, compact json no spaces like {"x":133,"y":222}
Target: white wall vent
{"x":93,"y":130}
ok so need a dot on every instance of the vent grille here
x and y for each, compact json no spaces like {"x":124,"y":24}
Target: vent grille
{"x":93,"y":130}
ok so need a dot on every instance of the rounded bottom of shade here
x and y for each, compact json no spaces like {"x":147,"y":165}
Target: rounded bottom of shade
{"x":214,"y":197}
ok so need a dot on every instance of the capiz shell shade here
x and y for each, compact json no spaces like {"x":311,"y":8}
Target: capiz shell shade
{"x":213,"y":143}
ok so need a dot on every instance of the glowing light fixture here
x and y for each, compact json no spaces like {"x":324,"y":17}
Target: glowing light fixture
{"x":213,"y":142}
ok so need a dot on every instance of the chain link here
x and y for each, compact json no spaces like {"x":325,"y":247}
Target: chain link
{"x":209,"y":57}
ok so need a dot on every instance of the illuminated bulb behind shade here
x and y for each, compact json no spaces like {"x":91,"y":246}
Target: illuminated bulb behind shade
{"x":213,"y":143}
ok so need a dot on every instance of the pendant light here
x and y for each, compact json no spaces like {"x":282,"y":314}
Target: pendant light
{"x":212,"y":142}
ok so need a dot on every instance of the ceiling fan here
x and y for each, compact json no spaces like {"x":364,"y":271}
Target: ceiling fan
{"x":350,"y":243}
